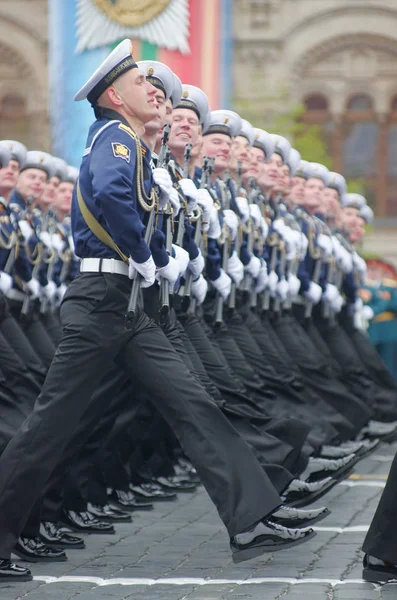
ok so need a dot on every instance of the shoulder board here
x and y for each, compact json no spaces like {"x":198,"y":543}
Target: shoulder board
{"x":15,"y":208}
{"x":128,"y":130}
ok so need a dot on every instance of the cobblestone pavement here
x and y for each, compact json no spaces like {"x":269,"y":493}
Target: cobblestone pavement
{"x":180,"y":550}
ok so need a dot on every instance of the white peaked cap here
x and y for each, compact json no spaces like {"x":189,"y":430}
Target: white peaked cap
{"x":353,"y":201}
{"x":224,"y":121}
{"x":159,"y":75}
{"x":194,"y":99}
{"x":119,"y":61}
{"x":281,"y":146}
{"x":264,"y":141}
{"x":35,"y":159}
{"x":319,"y":171}
{"x":337,"y":182}
{"x":293,"y":160}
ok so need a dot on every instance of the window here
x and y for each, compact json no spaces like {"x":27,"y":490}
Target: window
{"x":359,"y":103}
{"x":316,"y":102}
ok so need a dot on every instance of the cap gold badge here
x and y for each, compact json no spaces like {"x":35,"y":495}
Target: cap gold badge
{"x":150,"y":71}
{"x":185,"y":94}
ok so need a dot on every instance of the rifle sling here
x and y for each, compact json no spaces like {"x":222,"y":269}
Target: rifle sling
{"x":96,"y":227}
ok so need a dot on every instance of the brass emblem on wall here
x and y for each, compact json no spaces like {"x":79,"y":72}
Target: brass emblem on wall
{"x":132,"y":13}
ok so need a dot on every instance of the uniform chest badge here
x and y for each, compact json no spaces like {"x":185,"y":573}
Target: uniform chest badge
{"x":121,"y":151}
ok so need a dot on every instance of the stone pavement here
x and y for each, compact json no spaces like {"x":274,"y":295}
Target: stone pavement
{"x":180,"y":551}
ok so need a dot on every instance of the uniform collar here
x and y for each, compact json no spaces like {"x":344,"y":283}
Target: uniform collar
{"x":109,"y":114}
{"x":17,"y":198}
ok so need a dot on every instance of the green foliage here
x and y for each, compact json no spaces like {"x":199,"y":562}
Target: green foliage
{"x":305,"y":138}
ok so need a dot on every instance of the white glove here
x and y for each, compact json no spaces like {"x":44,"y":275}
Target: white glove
{"x":175,"y":201}
{"x":294,"y":284}
{"x":62,"y":291}
{"x":71,"y":244}
{"x":291,"y":249}
{"x":214,"y":229}
{"x":5,"y":282}
{"x":147,"y":269}
{"x":367,"y":313}
{"x":358,"y":305}
{"x":197,"y":265}
{"x":33,"y":287}
{"x":188,"y":188}
{"x":57,"y":242}
{"x":50,"y":290}
{"x":26,"y":229}
{"x":264,"y":228}
{"x":223,"y":284}
{"x":255,"y":213}
{"x":261,"y":280}
{"x":243,"y":208}
{"x":199,"y":289}
{"x":303,"y":244}
{"x":253,"y":267}
{"x":205,"y":201}
{"x":182,"y":258}
{"x":231,"y":220}
{"x":337,"y":304}
{"x":343,"y":257}
{"x":189,"y":191}
{"x":170,"y":272}
{"x":282,"y":290}
{"x":331,"y":293}
{"x":235,"y":268}
{"x":162,"y":178}
{"x":359,"y":264}
{"x":45,"y":239}
{"x":279,"y":226}
{"x":314,"y":293}
{"x":325,"y":243}
{"x":272,"y":282}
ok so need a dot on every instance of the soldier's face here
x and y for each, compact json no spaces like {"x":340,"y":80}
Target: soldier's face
{"x":9,"y":177}
{"x":257,"y":161}
{"x":350,"y":217}
{"x":269,"y":175}
{"x":330,"y":201}
{"x":50,"y":191}
{"x":157,"y":123}
{"x":185,"y":129}
{"x":31,"y":183}
{"x":138,"y":96}
{"x":284,"y":181}
{"x":313,"y":194}
{"x":297,"y":191}
{"x":357,"y":232}
{"x":219,"y":146}
{"x":241,"y":152}
{"x":63,"y":200}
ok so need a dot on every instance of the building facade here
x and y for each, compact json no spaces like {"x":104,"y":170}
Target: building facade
{"x":23,"y":72}
{"x":339,"y":59}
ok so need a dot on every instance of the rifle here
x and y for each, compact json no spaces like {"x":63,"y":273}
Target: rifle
{"x":197,"y":238}
{"x":133,"y":300}
{"x":232,"y":297}
{"x":225,"y":258}
{"x":181,"y":222}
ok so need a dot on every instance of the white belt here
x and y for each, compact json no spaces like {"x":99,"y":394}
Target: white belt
{"x":103,"y":265}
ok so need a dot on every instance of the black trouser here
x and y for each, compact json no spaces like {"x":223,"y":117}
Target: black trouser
{"x":318,"y":374}
{"x":381,"y":541}
{"x":94,"y":334}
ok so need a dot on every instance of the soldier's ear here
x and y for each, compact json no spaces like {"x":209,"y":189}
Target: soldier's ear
{"x":114,"y":96}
